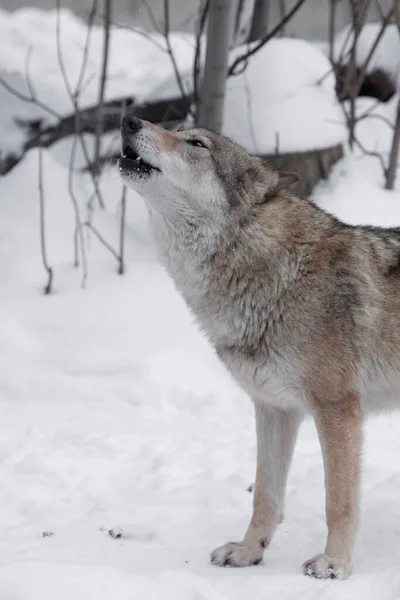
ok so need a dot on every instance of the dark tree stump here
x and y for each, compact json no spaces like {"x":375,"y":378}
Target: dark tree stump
{"x":312,"y":166}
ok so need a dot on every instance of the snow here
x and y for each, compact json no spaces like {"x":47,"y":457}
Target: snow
{"x":292,"y":110}
{"x":289,"y":107}
{"x":139,"y":64}
{"x":115,"y":413}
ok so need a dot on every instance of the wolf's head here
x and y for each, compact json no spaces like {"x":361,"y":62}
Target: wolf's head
{"x":195,"y":173}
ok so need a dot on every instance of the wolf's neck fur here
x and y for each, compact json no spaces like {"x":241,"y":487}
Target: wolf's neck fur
{"x":230,"y":281}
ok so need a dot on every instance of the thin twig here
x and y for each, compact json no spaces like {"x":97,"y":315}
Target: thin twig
{"x":361,"y":146}
{"x":238,"y":15}
{"x":282,"y":13}
{"x":375,"y":116}
{"x":80,"y":83}
{"x":60,"y":56}
{"x":371,"y":153}
{"x":121,"y":269}
{"x":28,"y":99}
{"x":74,"y":98}
{"x":350,"y":82}
{"x":379,"y":10}
{"x":243,"y":58}
{"x":250,"y":114}
{"x":103,"y":81}
{"x":28,"y":72}
{"x":151,"y":16}
{"x":144,"y":34}
{"x":332,"y":19}
{"x":102,"y":240}
{"x":370,"y":109}
{"x":197,"y":54}
{"x":78,"y":235}
{"x":394,"y":153}
{"x":363,"y":70}
{"x":48,"y":287}
{"x":178,"y":76}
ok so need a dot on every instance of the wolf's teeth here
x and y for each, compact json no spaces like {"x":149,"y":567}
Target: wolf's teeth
{"x":123,"y":154}
{"x":138,"y":159}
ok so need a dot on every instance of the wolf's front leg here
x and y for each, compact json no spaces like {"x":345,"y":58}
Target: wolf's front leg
{"x":276,"y":436}
{"x":339,"y":426}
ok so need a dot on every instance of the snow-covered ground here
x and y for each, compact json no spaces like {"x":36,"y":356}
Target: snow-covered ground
{"x":115,"y":413}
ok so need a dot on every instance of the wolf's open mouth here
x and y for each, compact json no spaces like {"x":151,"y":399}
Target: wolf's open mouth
{"x":137,"y":162}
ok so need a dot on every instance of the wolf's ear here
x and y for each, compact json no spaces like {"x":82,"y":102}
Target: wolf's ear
{"x":264,"y":177}
{"x":287,"y":180}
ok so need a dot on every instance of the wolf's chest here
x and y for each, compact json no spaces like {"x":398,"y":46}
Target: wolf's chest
{"x":275,"y":383}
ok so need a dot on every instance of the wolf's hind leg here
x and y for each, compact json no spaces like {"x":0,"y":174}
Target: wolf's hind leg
{"x":339,"y":428}
{"x":276,"y":436}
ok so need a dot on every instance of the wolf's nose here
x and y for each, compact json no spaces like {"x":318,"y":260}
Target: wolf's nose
{"x":131,"y":124}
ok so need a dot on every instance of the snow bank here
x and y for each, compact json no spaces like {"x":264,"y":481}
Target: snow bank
{"x":139,"y":65}
{"x":386,"y":55}
{"x":278,"y":102}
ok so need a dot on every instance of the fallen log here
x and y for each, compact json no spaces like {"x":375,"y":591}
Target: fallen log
{"x":159,"y":111}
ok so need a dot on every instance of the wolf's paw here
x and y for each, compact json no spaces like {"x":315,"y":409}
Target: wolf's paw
{"x":324,"y":567}
{"x":236,"y":554}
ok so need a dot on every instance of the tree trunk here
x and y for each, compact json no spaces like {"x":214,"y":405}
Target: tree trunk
{"x":394,"y":154}
{"x":259,"y":27}
{"x":219,"y":35}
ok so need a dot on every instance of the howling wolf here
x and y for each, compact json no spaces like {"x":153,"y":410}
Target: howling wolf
{"x":303,"y":310}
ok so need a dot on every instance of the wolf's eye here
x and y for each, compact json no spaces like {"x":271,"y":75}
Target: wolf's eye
{"x":197,"y":143}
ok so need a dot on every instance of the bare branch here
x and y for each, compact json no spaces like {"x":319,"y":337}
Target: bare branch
{"x":282,"y":11}
{"x":375,"y":116}
{"x":379,"y":9}
{"x":28,"y":99}
{"x":28,"y":72}
{"x":394,"y":153}
{"x":242,"y":59}
{"x":103,"y":80}
{"x":385,"y":23}
{"x":197,"y":53}
{"x":178,"y":76}
{"x":102,"y":240}
{"x":361,"y":146}
{"x":121,"y":269}
{"x":74,"y":97}
{"x":332,"y":21}
{"x":92,"y":14}
{"x":48,"y":287}
{"x":144,"y":34}
{"x":372,"y":153}
{"x":79,"y":239}
{"x":259,"y":21}
{"x":151,"y":16}
{"x":250,"y":114}
{"x":358,"y":12}
{"x":343,"y":52}
{"x":59,"y":51}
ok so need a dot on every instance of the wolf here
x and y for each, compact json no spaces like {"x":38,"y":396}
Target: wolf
{"x":302,"y":309}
